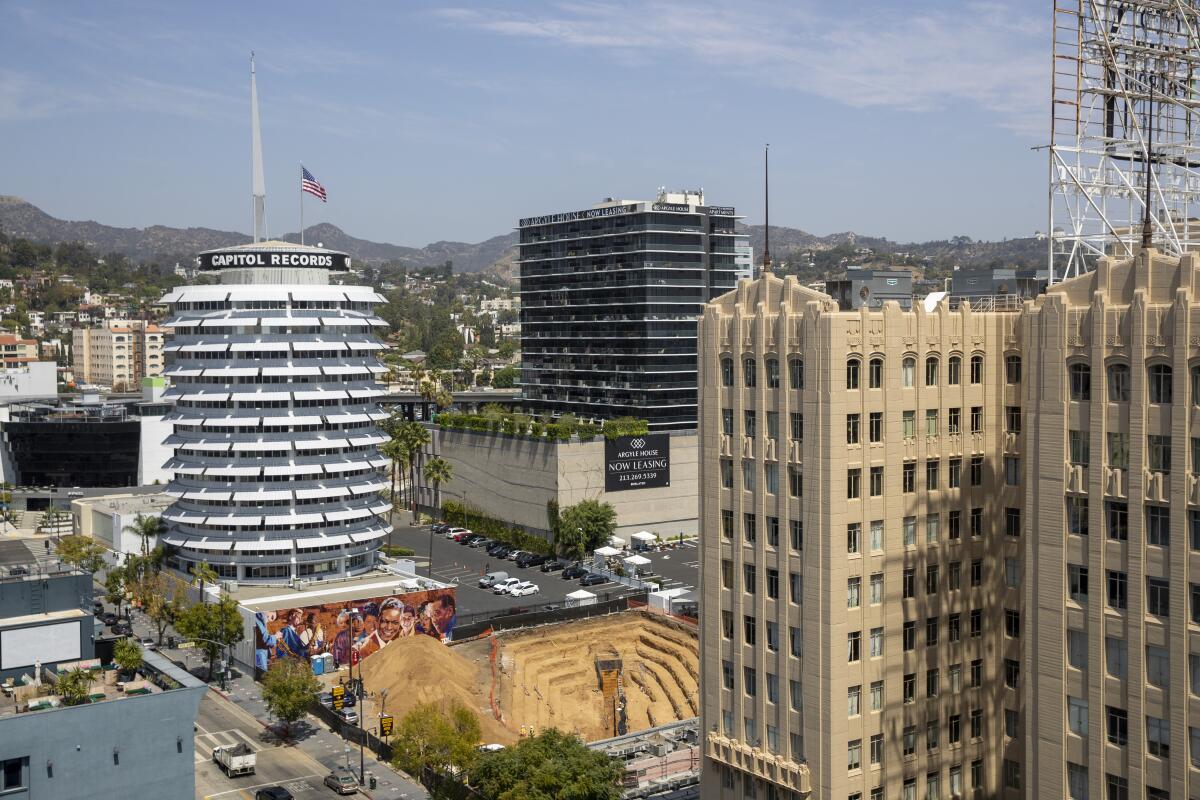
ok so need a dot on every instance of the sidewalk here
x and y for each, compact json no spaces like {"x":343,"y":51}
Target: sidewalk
{"x":326,"y":747}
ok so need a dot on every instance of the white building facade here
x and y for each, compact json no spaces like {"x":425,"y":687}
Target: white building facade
{"x":277,"y":471}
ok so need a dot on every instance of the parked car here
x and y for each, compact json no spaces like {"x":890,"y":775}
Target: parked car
{"x":491,"y":579}
{"x":98,"y":609}
{"x":530,"y":560}
{"x":505,"y":585}
{"x":122,"y":629}
{"x":481,"y":541}
{"x":471,"y":541}
{"x":452,"y":533}
{"x":523,"y":588}
{"x":325,"y":699}
{"x":552,"y":565}
{"x":147,"y":643}
{"x":348,"y":715}
{"x":515,"y":554}
{"x":499,"y":550}
{"x":108,"y":618}
{"x":462,"y":536}
{"x":439,"y":527}
{"x":273,"y":793}
{"x":574,"y":571}
{"x":342,"y":781}
{"x":592,"y":579}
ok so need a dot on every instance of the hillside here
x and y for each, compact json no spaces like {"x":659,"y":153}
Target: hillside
{"x":164,"y":244}
{"x":496,"y":256}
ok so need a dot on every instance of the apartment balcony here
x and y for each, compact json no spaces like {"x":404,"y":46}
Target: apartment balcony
{"x":1157,"y":487}
{"x":758,"y":762}
{"x":1116,"y":482}
{"x":1076,"y":479}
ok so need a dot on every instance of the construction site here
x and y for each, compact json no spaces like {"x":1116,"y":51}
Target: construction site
{"x":598,"y":678}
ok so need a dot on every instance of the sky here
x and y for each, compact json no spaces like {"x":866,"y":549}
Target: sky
{"x":912,"y":120}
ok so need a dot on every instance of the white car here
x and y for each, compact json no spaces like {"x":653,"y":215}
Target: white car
{"x":450,"y":534}
{"x":504,"y":586}
{"x":523,"y":588}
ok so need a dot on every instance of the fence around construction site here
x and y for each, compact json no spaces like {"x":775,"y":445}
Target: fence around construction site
{"x":471,"y":625}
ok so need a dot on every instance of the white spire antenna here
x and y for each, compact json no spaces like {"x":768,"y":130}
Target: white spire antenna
{"x":258,"y":186}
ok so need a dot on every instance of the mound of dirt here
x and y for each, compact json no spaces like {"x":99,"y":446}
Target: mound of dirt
{"x":421,"y":669}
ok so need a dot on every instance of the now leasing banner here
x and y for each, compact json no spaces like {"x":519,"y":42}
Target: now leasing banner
{"x":637,"y":462}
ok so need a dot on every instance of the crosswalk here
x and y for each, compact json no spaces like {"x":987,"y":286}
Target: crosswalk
{"x":204,"y":743}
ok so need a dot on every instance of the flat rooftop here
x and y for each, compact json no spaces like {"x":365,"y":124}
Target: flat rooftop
{"x":376,"y":583}
{"x":127,"y":503}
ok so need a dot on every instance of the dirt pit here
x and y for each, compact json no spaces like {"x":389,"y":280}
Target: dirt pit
{"x":547,"y":677}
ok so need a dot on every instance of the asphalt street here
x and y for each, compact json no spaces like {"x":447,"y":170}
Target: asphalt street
{"x":462,"y":565}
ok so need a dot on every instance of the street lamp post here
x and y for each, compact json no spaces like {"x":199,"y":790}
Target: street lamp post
{"x":362,"y":758}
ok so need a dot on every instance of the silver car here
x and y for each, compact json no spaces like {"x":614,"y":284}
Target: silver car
{"x":342,"y":781}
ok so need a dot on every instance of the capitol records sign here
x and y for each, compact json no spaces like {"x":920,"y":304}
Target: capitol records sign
{"x":637,"y":462}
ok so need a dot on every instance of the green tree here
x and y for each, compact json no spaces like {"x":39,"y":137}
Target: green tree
{"x":202,"y":574}
{"x":507,"y":348}
{"x":395,"y":452}
{"x":82,"y":552}
{"x":146,"y":528}
{"x":584,"y":526}
{"x":414,"y":438}
{"x":425,"y":737}
{"x":162,"y":601}
{"x":127,"y":655}
{"x":216,"y":626}
{"x":74,"y":686}
{"x":437,"y":471}
{"x":288,"y":689}
{"x":115,"y":588}
{"x":549,"y":766}
{"x":505,"y":378}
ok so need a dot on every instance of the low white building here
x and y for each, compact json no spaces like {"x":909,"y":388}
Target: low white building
{"x":105,"y":518}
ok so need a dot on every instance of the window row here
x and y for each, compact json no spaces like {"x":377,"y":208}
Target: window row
{"x":874,"y":371}
{"x":1159,"y":383}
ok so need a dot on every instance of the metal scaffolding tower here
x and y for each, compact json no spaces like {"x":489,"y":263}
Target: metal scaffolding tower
{"x":1116,"y":65}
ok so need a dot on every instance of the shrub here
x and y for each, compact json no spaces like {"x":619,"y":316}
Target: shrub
{"x":456,"y":513}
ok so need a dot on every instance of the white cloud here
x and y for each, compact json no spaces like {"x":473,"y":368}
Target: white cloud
{"x":866,"y":56}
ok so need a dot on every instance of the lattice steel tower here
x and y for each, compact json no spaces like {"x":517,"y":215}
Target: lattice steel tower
{"x":1116,"y":65}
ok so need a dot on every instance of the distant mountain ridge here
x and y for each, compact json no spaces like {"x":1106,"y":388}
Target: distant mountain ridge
{"x":164,"y":244}
{"x":495,"y":256}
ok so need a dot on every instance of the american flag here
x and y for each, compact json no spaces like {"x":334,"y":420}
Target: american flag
{"x":309,"y":184}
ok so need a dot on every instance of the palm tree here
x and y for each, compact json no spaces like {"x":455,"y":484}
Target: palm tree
{"x":437,"y":471}
{"x":146,"y":527}
{"x":415,"y":439}
{"x":396,"y":452}
{"x":444,"y":400}
{"x":203,"y":573}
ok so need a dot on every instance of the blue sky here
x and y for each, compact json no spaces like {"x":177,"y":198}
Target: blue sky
{"x":912,"y":119}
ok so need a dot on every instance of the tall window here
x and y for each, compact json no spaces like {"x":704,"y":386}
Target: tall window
{"x":1080,"y":380}
{"x":749,"y":372}
{"x":1118,"y":383}
{"x":1159,"y":376}
{"x":1012,"y":369}
{"x":772,"y":373}
{"x":796,"y":373}
{"x":954,"y":371}
{"x":931,"y":371}
{"x":853,"y":366}
{"x":976,"y":369}
{"x":727,"y":372}
{"x":875,"y":373}
{"x":1158,"y":449}
{"x":1078,"y":448}
{"x":908,"y":372}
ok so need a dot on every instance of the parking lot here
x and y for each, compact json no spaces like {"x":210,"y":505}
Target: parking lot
{"x":462,"y":565}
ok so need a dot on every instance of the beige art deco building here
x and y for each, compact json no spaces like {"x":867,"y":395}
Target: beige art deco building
{"x":1111,"y":397}
{"x":948,"y":553}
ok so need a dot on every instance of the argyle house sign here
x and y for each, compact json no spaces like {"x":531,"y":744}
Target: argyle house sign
{"x":637,"y":462}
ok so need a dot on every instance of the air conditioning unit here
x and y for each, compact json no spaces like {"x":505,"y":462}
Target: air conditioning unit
{"x":230,"y":586}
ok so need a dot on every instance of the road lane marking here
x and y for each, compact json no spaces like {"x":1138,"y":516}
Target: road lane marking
{"x":259,"y":786}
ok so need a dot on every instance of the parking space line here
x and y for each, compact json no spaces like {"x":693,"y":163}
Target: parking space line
{"x":259,"y":786}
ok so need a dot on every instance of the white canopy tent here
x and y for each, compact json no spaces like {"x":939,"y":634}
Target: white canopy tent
{"x":637,"y":561}
{"x":580,"y":598}
{"x":645,"y":536}
{"x":607,"y":551}
{"x":616,"y":541}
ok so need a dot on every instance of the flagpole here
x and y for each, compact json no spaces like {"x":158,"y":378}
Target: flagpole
{"x":302,"y":204}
